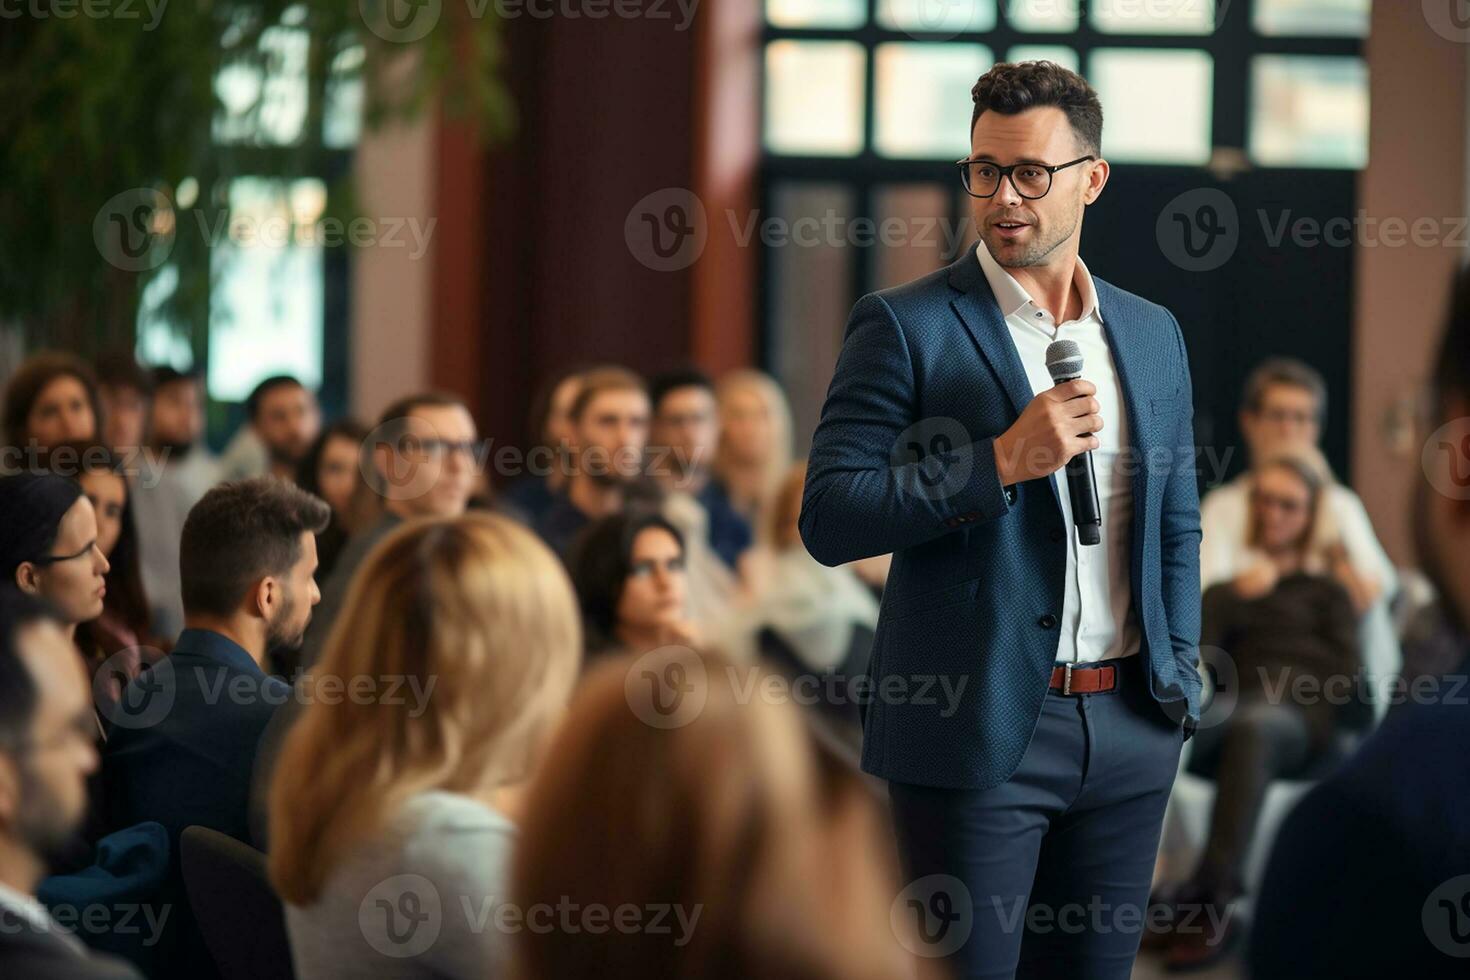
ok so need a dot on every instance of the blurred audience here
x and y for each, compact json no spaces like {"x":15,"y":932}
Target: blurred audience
{"x":683,"y":440}
{"x":548,"y":462}
{"x":46,"y":755}
{"x":1283,"y":411}
{"x":479,"y":618}
{"x":124,"y":389}
{"x":423,"y":454}
{"x":609,"y":419}
{"x":49,"y":545}
{"x":332,"y":470}
{"x":181,"y":470}
{"x":1287,"y":625}
{"x":282,"y":420}
{"x":51,"y":399}
{"x":631,"y":583}
{"x":755,"y":440}
{"x":1370,"y":875}
{"x":184,"y":754}
{"x":760,"y":854}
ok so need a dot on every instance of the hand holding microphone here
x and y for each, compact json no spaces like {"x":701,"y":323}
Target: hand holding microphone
{"x":1058,"y":428}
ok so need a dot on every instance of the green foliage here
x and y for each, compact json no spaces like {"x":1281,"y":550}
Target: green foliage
{"x":94,"y":106}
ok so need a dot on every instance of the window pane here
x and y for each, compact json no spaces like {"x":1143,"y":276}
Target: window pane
{"x":811,"y":295}
{"x":817,"y":13}
{"x":1157,"y":104}
{"x":814,"y":97}
{"x":939,"y":16}
{"x":1061,"y":54}
{"x":265,"y":307}
{"x":1154,"y":16}
{"x":1309,"y":111}
{"x":1057,"y":16}
{"x":342,"y":113}
{"x":1334,"y":18}
{"x":914,"y":234}
{"x":266,"y":107}
{"x":923,"y":93}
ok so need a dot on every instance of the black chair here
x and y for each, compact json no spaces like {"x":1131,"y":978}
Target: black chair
{"x":235,"y":907}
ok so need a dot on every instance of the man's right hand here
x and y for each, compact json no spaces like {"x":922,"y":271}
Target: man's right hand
{"x":1055,"y":426}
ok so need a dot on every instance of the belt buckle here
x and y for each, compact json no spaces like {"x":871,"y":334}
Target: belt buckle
{"x":1067,"y":679}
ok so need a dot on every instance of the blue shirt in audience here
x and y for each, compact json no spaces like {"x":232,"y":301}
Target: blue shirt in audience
{"x":729,"y":531}
{"x":560,"y":524}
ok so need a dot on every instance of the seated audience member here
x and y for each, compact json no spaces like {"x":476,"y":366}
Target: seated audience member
{"x":479,"y":618}
{"x":755,"y":441}
{"x":123,"y":627}
{"x":282,"y":420}
{"x":548,"y":463}
{"x":609,"y":431}
{"x":124,"y":390}
{"x":1285,"y":406}
{"x":822,"y":617}
{"x":51,"y":399}
{"x":684,"y":438}
{"x":631,"y":583}
{"x":181,"y":470}
{"x":1285,"y":623}
{"x":423,"y":465}
{"x":1368,"y":876}
{"x":762,"y":851}
{"x":247,"y":556}
{"x":46,"y":755}
{"x":332,"y":471}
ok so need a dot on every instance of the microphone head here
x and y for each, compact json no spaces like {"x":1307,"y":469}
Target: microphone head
{"x":1063,"y":359}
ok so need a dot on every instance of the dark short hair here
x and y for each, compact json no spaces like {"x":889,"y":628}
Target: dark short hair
{"x":18,"y":612}
{"x":120,"y":369}
{"x":390,"y":422}
{"x":664,"y":382}
{"x":239,"y":533}
{"x":32,"y":378}
{"x":600,"y":560}
{"x":1013,"y":87}
{"x":1284,"y":371}
{"x":258,"y":393}
{"x":167,"y":375}
{"x":609,"y":377}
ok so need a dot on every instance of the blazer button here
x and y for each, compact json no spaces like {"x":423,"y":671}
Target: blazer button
{"x":1047,"y":621}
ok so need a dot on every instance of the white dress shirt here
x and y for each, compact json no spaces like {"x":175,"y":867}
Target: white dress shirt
{"x":1097,"y":618}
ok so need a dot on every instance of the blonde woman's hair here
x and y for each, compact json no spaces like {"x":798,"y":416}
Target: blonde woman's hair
{"x":1321,"y":530}
{"x":770,"y":393}
{"x":786,"y":505}
{"x":723,"y":808}
{"x":475,"y":606}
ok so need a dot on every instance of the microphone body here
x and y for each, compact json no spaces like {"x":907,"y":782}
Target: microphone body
{"x":1064,"y":362}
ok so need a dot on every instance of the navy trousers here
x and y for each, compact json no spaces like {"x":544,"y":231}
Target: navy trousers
{"x":1048,"y":874}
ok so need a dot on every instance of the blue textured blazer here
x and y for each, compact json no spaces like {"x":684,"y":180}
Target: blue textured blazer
{"x":902,"y":461}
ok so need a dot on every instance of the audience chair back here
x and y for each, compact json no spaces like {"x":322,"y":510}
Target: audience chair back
{"x":236,"y":909}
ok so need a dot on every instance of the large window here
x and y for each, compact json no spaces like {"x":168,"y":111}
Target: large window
{"x":868,"y":101}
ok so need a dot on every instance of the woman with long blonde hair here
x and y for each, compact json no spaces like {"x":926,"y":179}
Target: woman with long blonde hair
{"x":755,"y":441}
{"x":683,"y":798}
{"x":392,"y":816}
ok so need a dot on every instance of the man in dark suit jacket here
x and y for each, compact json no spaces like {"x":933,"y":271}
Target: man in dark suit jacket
{"x":1370,"y":874}
{"x":46,"y":752}
{"x":1030,"y":694}
{"x":182,"y":742}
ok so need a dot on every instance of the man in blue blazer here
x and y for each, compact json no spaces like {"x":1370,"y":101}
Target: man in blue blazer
{"x":1028,"y":799}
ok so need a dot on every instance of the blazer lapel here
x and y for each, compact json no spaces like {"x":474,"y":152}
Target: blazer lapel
{"x":980,"y":314}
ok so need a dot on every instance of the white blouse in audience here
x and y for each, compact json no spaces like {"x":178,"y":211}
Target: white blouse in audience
{"x":422,"y":899}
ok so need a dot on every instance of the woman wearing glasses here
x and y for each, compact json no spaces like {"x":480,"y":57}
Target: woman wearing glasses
{"x":48,"y":545}
{"x":1289,"y":629}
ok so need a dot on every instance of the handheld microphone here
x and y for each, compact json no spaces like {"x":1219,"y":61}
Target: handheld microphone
{"x":1064,"y":363}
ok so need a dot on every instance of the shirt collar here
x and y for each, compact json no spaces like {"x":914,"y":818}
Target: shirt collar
{"x":217,"y":647}
{"x":1012,"y":297}
{"x":30,"y":910}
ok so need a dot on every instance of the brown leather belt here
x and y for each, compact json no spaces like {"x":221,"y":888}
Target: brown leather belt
{"x":1093,"y":680}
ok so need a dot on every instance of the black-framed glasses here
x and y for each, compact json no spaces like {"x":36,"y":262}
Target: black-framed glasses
{"x":1031,"y":180}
